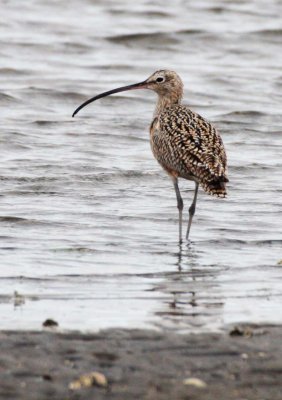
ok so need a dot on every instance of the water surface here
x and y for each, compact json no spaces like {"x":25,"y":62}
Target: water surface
{"x":88,"y":220}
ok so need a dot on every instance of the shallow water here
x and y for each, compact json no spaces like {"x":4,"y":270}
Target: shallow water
{"x":88,"y":220}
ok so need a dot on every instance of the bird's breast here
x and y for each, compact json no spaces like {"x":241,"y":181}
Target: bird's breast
{"x":155,"y":126}
{"x":155,"y":137}
{"x":165,"y":153}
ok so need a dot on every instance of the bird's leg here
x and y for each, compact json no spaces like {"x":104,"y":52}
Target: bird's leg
{"x":179,"y":205}
{"x":192,"y":209}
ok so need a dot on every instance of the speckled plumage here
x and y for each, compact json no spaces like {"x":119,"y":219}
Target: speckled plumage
{"x":183,"y":142}
{"x":188,"y":146}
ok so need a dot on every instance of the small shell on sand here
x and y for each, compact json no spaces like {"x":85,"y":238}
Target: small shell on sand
{"x":196,"y":382}
{"x":87,"y":380}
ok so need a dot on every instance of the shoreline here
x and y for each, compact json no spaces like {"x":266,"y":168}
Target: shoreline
{"x":244,"y":363}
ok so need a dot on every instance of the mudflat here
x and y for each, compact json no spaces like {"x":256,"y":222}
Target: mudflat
{"x":243,"y":363}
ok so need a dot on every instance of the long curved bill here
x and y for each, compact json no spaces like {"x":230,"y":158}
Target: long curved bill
{"x":140,"y":85}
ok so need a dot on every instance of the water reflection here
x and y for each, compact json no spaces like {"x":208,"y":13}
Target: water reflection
{"x":185,"y":255}
{"x":191,"y":293}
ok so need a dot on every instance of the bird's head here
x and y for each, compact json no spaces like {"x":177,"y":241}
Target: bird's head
{"x":164,"y":83}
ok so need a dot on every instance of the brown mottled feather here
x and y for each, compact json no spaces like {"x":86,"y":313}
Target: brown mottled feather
{"x":185,"y":143}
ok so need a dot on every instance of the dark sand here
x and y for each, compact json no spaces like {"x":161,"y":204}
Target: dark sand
{"x":143,"y":364}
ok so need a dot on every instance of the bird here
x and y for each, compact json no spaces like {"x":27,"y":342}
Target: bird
{"x":185,"y":144}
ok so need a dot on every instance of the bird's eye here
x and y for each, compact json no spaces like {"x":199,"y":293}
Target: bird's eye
{"x":160,"y":79}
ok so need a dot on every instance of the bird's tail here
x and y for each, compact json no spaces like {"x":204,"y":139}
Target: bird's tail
{"x":216,"y":187}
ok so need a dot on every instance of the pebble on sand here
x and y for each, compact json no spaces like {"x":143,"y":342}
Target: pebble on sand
{"x":241,"y":331}
{"x":87,"y":380}
{"x":196,"y":382}
{"x":50,"y":323}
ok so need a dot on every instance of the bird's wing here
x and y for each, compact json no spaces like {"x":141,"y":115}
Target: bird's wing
{"x":196,"y":143}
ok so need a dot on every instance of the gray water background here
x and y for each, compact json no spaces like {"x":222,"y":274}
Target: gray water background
{"x":88,"y":220}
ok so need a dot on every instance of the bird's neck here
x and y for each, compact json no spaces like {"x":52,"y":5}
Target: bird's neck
{"x":166,"y":101}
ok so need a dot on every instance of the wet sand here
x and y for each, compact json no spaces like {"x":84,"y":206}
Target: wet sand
{"x":143,"y":364}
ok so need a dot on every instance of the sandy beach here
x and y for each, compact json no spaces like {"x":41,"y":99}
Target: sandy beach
{"x":242,"y":364}
{"x":88,"y":218}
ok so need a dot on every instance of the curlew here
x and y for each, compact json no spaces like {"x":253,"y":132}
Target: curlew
{"x":184,"y":143}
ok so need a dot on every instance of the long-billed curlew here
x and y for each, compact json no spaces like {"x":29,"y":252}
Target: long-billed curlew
{"x":184,"y":143}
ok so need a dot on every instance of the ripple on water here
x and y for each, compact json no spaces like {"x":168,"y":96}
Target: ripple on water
{"x":88,"y":219}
